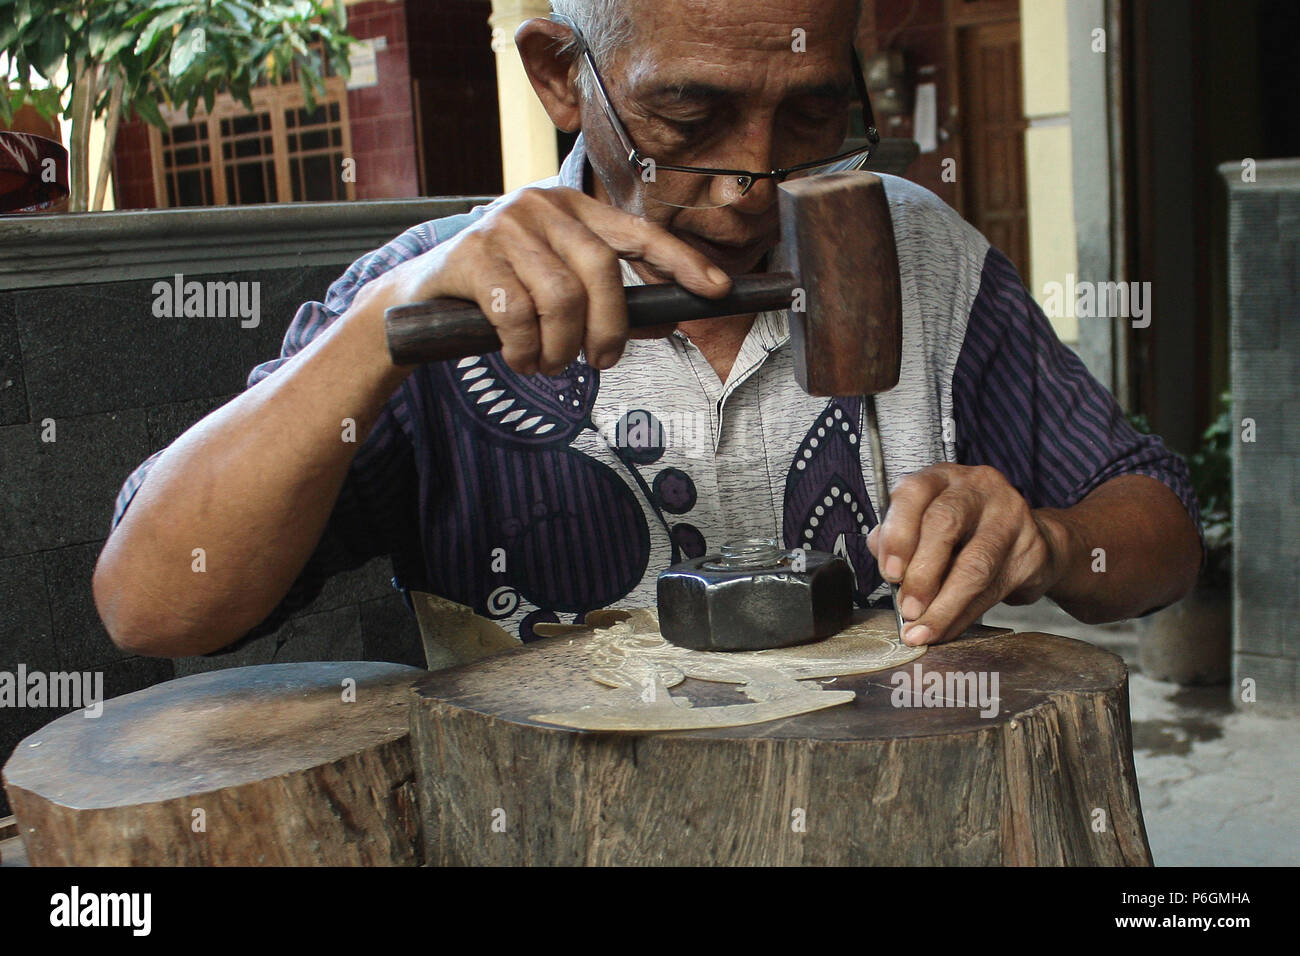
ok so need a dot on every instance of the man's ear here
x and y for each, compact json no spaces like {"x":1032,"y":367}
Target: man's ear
{"x":548,"y":70}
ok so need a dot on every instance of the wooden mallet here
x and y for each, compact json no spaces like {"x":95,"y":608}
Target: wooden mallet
{"x":840,"y":284}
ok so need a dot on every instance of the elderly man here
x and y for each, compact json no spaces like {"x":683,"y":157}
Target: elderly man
{"x":564,"y":473}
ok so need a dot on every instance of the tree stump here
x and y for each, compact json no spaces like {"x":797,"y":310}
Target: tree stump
{"x":1047,"y":779}
{"x":267,"y":765}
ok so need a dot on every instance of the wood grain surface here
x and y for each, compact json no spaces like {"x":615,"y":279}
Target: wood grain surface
{"x":869,"y":782}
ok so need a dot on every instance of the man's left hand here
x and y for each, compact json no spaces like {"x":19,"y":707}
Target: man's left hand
{"x":960,"y":539}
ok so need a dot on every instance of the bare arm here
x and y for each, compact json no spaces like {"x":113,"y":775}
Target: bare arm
{"x":1138,"y":531}
{"x":254,"y":483}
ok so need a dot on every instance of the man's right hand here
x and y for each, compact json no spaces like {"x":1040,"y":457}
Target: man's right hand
{"x":543,"y":267}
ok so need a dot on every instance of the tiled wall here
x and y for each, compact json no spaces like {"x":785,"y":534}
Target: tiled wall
{"x":1264,"y":296}
{"x":118,"y":384}
{"x":133,"y":167}
{"x":383,"y":131}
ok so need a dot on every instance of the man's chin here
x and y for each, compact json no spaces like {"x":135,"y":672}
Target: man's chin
{"x":755,"y":262}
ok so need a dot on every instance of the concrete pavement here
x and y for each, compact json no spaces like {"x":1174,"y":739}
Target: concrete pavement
{"x":1219,"y":786}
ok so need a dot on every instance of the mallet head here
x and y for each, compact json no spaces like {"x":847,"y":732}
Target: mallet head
{"x":837,"y":238}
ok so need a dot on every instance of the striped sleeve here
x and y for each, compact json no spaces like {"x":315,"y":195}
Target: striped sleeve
{"x":1025,"y":404}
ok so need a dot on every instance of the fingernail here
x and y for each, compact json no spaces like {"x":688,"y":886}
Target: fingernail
{"x":718,"y":276}
{"x":894,"y":568}
{"x":916,"y":635}
{"x":912,"y":608}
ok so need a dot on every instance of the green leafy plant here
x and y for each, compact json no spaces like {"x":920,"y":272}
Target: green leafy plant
{"x":126,"y":57}
{"x":1210,"y":468}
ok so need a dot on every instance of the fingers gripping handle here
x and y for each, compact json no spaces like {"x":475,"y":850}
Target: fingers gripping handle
{"x":443,"y":329}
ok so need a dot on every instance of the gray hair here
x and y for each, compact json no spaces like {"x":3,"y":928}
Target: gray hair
{"x":605,"y":24}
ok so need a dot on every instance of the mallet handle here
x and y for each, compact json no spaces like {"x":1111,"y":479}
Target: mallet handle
{"x":442,"y":329}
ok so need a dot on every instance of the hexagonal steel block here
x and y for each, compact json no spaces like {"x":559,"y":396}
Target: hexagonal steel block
{"x":706,"y":607}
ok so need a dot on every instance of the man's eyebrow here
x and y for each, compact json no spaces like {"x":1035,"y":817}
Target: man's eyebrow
{"x":682,"y":92}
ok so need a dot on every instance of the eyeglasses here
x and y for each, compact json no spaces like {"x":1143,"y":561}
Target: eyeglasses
{"x":704,"y":187}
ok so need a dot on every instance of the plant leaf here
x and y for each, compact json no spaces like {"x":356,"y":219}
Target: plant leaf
{"x":50,"y":51}
{"x":156,"y":26}
{"x":117,"y":44}
{"x":184,"y":52}
{"x":147,"y":109}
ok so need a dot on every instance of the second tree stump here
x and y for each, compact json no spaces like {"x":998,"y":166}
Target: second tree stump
{"x":279,"y":764}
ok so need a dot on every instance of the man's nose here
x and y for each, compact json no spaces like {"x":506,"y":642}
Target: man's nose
{"x":754,"y":152}
{"x":760,"y":196}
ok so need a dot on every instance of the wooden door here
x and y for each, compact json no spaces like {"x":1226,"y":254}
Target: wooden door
{"x":993,"y":141}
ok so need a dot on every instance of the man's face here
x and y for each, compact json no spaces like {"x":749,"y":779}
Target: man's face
{"x":721,"y":84}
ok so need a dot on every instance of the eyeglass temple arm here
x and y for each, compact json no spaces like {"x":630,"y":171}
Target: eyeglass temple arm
{"x":633,"y":154}
{"x":868,"y":115}
{"x":624,"y":138}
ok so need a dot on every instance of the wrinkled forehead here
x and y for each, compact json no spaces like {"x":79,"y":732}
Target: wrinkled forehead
{"x":722,"y":35}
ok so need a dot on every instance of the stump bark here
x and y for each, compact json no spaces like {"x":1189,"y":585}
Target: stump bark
{"x":1048,"y":779}
{"x":267,"y":765}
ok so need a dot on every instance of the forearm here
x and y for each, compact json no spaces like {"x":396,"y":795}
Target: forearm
{"x":1127,"y":548}
{"x":253,"y":486}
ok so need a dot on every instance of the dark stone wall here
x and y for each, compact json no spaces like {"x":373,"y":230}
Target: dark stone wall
{"x":119,"y":384}
{"x":1264,"y":258}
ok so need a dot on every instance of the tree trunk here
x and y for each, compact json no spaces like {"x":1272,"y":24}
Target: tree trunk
{"x":1046,"y":778}
{"x":268,"y":765}
{"x":84,"y":83}
{"x":111,"y":120}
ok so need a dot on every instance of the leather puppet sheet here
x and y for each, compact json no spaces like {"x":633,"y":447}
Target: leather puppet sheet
{"x":629,"y":656}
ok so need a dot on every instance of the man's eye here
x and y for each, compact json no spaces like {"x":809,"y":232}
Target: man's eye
{"x":685,"y":128}
{"x":818,"y":117}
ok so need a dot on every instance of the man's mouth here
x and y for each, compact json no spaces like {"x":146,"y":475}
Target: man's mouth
{"x":732,"y":257}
